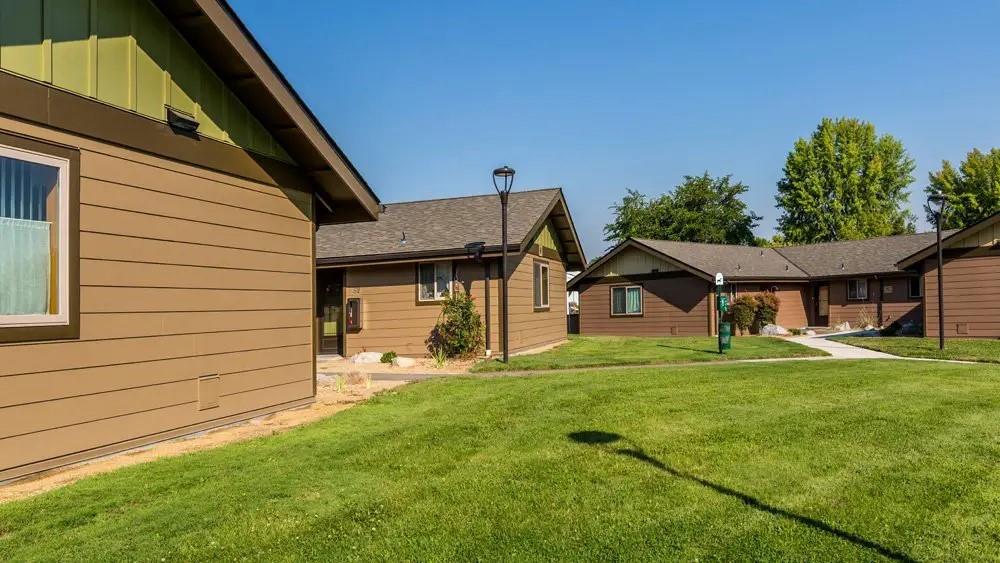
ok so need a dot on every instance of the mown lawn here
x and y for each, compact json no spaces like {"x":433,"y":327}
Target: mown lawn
{"x":797,"y":461}
{"x":593,"y":351}
{"x":968,"y":349}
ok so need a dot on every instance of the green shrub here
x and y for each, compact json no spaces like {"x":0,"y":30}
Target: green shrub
{"x":743,"y":311}
{"x":767,"y":309}
{"x":459,"y":330}
{"x":388,"y":357}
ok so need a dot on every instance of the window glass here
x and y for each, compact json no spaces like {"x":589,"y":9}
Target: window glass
{"x":442,"y":279}
{"x":541,"y":285}
{"x":626,"y":300}
{"x":434,"y":281}
{"x":916,"y":287}
{"x":857,"y":289}
{"x":30,"y":202}
{"x":426,"y":282}
{"x":634,"y":300}
{"x":617,"y":300}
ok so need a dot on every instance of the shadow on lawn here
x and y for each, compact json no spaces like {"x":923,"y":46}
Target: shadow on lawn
{"x":599,"y":438}
{"x":688,"y":348}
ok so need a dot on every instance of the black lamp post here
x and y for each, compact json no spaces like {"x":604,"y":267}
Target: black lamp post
{"x":936,"y":203}
{"x":505,"y":175}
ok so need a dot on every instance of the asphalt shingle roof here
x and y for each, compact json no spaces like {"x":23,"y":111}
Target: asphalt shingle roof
{"x":830,"y":259}
{"x":438,"y":225}
{"x":850,"y":257}
{"x":732,"y":260}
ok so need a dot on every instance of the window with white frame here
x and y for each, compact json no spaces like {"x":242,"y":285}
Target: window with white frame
{"x":433,"y":280}
{"x":626,"y":300}
{"x":541,"y":285}
{"x":915,"y":287}
{"x":857,"y":289}
{"x":34,"y":239}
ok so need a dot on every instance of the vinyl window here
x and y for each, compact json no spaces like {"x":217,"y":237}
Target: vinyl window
{"x":626,"y":300}
{"x":433,"y":281}
{"x":915,"y":287}
{"x":541,"y":285}
{"x":857,"y":290}
{"x":34,"y":239}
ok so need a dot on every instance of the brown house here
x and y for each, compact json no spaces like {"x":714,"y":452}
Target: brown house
{"x":381,"y":283}
{"x":159,"y":188}
{"x":654,"y":287}
{"x":971,"y":281}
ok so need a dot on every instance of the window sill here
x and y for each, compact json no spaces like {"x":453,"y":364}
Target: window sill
{"x":39,"y":333}
{"x":617,"y":315}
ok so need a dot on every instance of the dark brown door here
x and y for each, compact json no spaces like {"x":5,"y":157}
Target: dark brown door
{"x":821,"y":298}
{"x":330,"y":308}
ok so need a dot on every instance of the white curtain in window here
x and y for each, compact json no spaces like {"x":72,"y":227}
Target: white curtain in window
{"x":634,"y":300}
{"x":24,"y":267}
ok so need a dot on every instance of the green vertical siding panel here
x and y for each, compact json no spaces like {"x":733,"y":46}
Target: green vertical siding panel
{"x":21,"y":37}
{"x":213,"y":107}
{"x":152,"y":59}
{"x":185,"y":81}
{"x":126,"y":53}
{"x":114,"y":52}
{"x":70,"y":32}
{"x":547,"y":238}
{"x":237,"y":120}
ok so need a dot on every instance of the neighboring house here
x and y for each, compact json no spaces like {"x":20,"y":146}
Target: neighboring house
{"x":654,"y":287}
{"x":159,"y":186}
{"x":381,"y":283}
{"x":971,"y":281}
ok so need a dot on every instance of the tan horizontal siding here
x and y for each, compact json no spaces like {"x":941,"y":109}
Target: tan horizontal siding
{"x":394,"y":321}
{"x":55,"y":442}
{"x":184,"y":272}
{"x":138,"y":274}
{"x":125,"y":248}
{"x":130,"y":223}
{"x":974,"y":305}
{"x":794,"y":301}
{"x":98,"y":326}
{"x":51,"y":385}
{"x":236,"y":193}
{"x":671,"y":305}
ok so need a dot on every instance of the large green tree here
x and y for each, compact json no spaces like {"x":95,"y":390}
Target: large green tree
{"x":972,"y":191}
{"x":845,"y":182}
{"x":701,"y":209}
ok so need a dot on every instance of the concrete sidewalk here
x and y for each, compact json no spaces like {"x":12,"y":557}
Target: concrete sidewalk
{"x":841,"y":351}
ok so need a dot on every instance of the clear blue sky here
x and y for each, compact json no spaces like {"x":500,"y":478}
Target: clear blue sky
{"x":426,"y":98}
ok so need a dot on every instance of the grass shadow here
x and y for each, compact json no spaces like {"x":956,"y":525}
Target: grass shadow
{"x":690,"y":349}
{"x":601,"y":438}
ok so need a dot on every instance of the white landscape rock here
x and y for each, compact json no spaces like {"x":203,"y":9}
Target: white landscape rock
{"x":844,"y":326}
{"x":774,"y":330}
{"x":809,"y":332}
{"x":402,"y":362}
{"x":366,"y":358}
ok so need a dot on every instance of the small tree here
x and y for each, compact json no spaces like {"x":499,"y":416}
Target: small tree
{"x":459,"y":330}
{"x":743,"y":311}
{"x":767,"y":309}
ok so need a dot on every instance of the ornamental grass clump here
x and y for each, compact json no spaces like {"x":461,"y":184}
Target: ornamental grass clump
{"x":459,"y":330}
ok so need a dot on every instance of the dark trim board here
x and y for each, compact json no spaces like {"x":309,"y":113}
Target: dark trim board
{"x":71,"y":330}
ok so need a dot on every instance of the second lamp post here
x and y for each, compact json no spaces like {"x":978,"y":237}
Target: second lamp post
{"x":503,"y":181}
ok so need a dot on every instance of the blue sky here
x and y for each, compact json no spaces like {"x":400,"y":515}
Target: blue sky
{"x":426,"y":98}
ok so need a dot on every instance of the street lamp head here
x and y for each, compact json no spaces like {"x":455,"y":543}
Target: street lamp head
{"x":936,"y":200}
{"x":506,"y":175}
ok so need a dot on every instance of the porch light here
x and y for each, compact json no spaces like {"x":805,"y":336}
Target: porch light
{"x":474,"y":250}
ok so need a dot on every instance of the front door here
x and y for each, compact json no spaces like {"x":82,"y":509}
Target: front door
{"x":822,"y":300}
{"x":330,"y":308}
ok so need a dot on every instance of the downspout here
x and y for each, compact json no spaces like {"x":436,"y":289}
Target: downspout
{"x":488,"y":271}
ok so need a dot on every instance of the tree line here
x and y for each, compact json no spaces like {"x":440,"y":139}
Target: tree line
{"x":843,"y":182}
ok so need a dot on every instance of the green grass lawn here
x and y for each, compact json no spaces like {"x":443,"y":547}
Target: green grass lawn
{"x":795,"y":461}
{"x":593,"y":351}
{"x":969,"y":349}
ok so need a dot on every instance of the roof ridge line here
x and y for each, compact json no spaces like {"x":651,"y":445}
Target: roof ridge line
{"x":530,"y":190}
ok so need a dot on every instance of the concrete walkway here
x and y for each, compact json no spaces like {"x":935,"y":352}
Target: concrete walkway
{"x":841,"y":351}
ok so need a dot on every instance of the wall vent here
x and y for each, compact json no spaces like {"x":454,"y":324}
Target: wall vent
{"x":208,"y":391}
